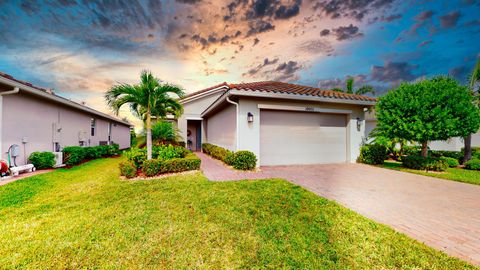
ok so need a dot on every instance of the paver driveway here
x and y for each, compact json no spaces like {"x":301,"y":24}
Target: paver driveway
{"x":443,"y":214}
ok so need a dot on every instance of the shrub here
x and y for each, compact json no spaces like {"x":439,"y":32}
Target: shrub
{"x":168,"y":152}
{"x":372,"y":154}
{"x":137,"y":156}
{"x":451,"y":162}
{"x":473,"y":164}
{"x":411,"y":150}
{"x":73,"y":155}
{"x":128,"y":169}
{"x":158,"y":166}
{"x":424,"y":163}
{"x":244,"y":160}
{"x":42,"y":160}
{"x":450,"y":154}
{"x":229,"y":158}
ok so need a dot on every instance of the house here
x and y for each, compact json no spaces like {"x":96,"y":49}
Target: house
{"x":282,"y":123}
{"x":453,"y":144}
{"x":37,"y":119}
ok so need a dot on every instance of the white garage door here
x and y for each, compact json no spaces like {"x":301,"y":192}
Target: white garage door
{"x":288,"y":137}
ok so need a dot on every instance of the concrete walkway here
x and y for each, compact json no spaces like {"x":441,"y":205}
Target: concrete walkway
{"x":440,"y":213}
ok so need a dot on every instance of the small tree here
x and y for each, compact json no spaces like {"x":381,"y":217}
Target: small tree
{"x":473,"y":82}
{"x":429,"y":110}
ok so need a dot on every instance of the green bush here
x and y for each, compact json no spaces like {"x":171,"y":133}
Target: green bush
{"x":424,"y":163}
{"x":475,"y":152}
{"x":229,"y":158}
{"x":128,"y":169}
{"x":411,"y":150}
{"x":372,"y":154}
{"x":155,"y":167}
{"x":241,"y":160}
{"x":473,"y":164}
{"x":451,"y":162}
{"x":450,"y":154}
{"x":137,"y":156}
{"x":244,"y":160}
{"x":73,"y":155}
{"x":168,"y":152}
{"x":42,"y":160}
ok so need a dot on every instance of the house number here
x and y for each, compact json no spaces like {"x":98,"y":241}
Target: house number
{"x":308,"y":109}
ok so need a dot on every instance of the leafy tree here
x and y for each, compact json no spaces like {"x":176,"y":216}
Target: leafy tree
{"x":429,"y":110}
{"x":149,"y":98}
{"x":336,"y":89}
{"x":349,"y":85}
{"x":473,"y":82}
{"x":163,"y":131}
{"x":365,"y":89}
{"x":133,"y":137}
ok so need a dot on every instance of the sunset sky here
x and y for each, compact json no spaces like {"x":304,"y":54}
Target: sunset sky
{"x":81,"y":48}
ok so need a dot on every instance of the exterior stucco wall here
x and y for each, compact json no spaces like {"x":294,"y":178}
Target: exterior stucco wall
{"x":249,"y":133}
{"x":193,"y":110}
{"x":32,"y":119}
{"x":221,"y":128}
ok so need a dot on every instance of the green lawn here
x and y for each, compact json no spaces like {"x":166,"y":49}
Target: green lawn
{"x":86,"y":217}
{"x":455,"y":174}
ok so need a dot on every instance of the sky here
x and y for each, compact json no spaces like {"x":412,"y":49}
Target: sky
{"x":81,"y":48}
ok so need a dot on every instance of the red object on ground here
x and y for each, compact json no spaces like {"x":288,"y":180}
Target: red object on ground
{"x":3,"y":166}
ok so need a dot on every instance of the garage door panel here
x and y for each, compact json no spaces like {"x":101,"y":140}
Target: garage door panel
{"x":301,"y":138}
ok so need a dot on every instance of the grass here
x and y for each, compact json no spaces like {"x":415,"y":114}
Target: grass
{"x":86,"y":217}
{"x":455,"y":174}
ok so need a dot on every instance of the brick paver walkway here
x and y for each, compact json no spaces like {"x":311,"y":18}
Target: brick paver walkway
{"x":440,"y":213}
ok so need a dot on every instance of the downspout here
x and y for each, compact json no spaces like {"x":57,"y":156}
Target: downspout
{"x":237,"y":121}
{"x":11,"y":92}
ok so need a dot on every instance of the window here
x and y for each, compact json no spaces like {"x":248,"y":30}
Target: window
{"x":93,"y":124}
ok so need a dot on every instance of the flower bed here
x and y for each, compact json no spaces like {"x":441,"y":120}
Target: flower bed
{"x":166,"y":159}
{"x":240,"y":160}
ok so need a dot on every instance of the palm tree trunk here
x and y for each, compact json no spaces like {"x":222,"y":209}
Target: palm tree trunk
{"x":424,"y":149}
{"x":468,"y":148}
{"x":149,"y":135}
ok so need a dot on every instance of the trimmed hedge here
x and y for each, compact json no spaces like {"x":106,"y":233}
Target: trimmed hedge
{"x":155,"y":167}
{"x":73,"y":155}
{"x":42,"y":160}
{"x":244,"y":160}
{"x":450,"y":154}
{"x":128,"y":169}
{"x":163,"y":152}
{"x":473,"y":164}
{"x":424,"y":163}
{"x":372,"y":154}
{"x":451,"y":162}
{"x":240,"y":160}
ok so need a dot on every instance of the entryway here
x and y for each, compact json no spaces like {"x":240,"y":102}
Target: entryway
{"x":194,"y":135}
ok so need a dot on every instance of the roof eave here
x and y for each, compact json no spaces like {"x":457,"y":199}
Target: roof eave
{"x":59,"y":99}
{"x":203,"y":94}
{"x":243,"y":93}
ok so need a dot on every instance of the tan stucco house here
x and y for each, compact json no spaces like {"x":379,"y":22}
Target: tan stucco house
{"x":281,"y":123}
{"x":36,"y":119}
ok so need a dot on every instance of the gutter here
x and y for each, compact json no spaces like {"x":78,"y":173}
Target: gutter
{"x":11,"y":92}
{"x":56,"y":98}
{"x":257,"y":94}
{"x":237,"y":120}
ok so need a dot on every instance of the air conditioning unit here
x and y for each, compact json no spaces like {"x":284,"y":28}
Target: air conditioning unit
{"x":82,"y":136}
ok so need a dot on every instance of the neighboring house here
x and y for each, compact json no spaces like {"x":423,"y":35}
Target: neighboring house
{"x":453,"y":144}
{"x":38,"y":120}
{"x":281,"y":123}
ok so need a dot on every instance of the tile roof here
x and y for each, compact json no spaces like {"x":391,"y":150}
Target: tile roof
{"x":10,"y":77}
{"x":205,"y":90}
{"x":288,"y":88}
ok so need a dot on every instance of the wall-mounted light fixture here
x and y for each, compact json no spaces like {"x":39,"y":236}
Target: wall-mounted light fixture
{"x":250,"y":117}
{"x":359,"y":123}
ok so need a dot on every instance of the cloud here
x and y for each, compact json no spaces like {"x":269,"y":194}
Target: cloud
{"x":425,"y":43}
{"x":347,"y":32}
{"x":425,"y":15}
{"x":286,"y":71}
{"x":357,"y":10}
{"x":324,"y":32}
{"x":393,"y":72}
{"x":191,"y":2}
{"x":316,"y":47}
{"x":285,"y":12}
{"x":255,"y":41}
{"x":450,"y":20}
{"x":459,"y":73}
{"x":257,"y":27}
{"x":386,"y":19}
{"x":266,"y":62}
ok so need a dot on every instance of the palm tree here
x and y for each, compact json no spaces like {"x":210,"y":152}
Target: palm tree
{"x":365,"y":89}
{"x":149,"y":98}
{"x":474,"y":80}
{"x":349,"y":84}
